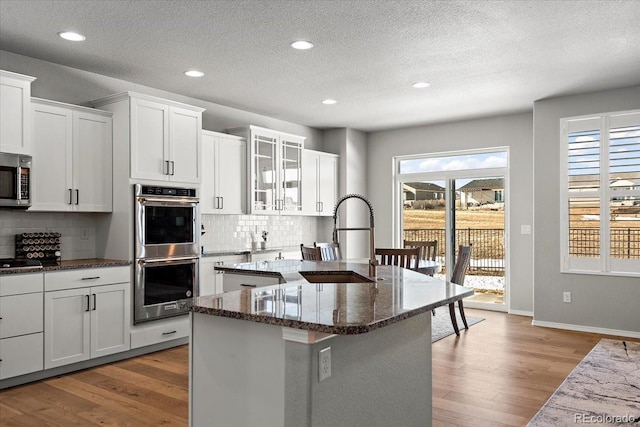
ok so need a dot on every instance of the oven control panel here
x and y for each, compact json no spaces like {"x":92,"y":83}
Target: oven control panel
{"x":167,"y":191}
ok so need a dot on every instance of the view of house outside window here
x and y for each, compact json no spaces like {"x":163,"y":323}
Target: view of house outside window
{"x":601,"y":193}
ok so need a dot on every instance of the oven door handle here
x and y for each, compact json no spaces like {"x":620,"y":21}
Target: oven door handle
{"x":172,"y":260}
{"x":168,"y":202}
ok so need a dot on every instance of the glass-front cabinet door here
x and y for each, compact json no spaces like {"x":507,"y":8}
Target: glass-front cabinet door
{"x":276,"y":174}
{"x":291,"y":177}
{"x":265,"y":172}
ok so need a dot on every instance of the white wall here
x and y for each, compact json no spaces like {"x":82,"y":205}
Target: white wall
{"x":351,"y":146}
{"x":605,"y":302}
{"x":513,"y":131}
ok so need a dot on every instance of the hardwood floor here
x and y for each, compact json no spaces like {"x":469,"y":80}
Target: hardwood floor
{"x":498,"y":373}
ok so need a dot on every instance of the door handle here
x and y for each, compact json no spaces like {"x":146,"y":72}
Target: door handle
{"x":70,"y":196}
{"x":77,"y":196}
{"x":95,"y":304}
{"x":222,"y":203}
{"x":173,"y":167}
{"x":166,"y":167}
{"x":246,"y":285}
{"x":88,"y":304}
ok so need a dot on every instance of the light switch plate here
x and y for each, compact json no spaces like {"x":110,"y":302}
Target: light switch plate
{"x":525,"y":229}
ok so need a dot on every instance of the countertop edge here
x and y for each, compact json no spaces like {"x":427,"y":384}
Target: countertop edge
{"x":316,"y":327}
{"x":68,"y":265}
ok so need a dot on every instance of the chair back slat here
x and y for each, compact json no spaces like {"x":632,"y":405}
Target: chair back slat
{"x":310,"y":253}
{"x":329,"y":251}
{"x":404,"y":257}
{"x":428,"y":249}
{"x":461,"y":265}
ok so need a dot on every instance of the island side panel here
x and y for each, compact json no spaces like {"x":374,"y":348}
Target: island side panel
{"x":382,"y":378}
{"x":237,"y":373}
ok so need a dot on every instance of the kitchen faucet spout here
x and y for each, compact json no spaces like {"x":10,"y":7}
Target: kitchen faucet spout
{"x":372,"y":257}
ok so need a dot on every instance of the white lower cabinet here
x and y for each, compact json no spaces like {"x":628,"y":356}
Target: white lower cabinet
{"x":21,"y":325}
{"x":82,"y":323}
{"x":210,"y":279}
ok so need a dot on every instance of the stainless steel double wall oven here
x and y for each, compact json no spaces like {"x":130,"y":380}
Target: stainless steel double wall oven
{"x":167,"y":242}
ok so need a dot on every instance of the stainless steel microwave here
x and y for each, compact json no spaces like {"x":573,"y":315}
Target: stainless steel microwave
{"x":15,"y":180}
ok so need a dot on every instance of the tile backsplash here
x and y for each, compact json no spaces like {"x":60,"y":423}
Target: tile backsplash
{"x":78,"y":230}
{"x":231,"y":232}
{"x":223,"y":232}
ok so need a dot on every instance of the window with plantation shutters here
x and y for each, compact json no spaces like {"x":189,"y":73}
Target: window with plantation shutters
{"x":600,"y":206}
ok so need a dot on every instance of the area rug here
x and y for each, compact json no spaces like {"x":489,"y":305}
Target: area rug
{"x":604,"y":389}
{"x":441,"y":323}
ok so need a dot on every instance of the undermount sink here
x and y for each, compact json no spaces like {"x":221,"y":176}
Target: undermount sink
{"x":334,"y":277}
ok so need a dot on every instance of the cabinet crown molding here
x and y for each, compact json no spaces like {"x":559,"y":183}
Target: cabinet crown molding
{"x":71,"y":106}
{"x":128,"y":95}
{"x":238,"y":129}
{"x":18,"y":76}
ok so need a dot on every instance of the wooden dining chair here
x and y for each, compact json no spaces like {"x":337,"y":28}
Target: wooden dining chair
{"x":403,"y":257}
{"x":310,"y":253}
{"x":329,"y":251}
{"x":457,"y":277}
{"x":428,"y":249}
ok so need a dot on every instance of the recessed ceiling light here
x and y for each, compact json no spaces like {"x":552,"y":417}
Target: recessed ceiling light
{"x":329,"y":101}
{"x":421,"y":85}
{"x":194,"y":73}
{"x":71,"y":36}
{"x":301,"y":45}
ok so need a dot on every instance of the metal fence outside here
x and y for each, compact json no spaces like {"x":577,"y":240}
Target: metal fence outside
{"x":487,"y":257}
{"x":488,"y":245}
{"x":624,"y":242}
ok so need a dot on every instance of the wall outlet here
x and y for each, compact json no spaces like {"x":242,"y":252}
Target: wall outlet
{"x":525,"y":229}
{"x":566,"y":296}
{"x":324,"y":364}
{"x":84,"y":234}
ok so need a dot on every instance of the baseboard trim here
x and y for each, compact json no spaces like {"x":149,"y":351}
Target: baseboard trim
{"x":582,"y":328}
{"x":521,"y":313}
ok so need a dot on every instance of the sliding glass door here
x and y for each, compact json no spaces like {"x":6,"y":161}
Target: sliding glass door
{"x":460,"y":207}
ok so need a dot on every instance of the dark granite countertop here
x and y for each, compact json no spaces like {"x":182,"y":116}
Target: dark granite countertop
{"x":68,"y":265}
{"x":334,"y":308}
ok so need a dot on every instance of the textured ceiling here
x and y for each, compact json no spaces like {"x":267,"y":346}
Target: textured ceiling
{"x":481,"y":57}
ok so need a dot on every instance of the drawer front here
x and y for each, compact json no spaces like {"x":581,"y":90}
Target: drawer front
{"x":21,"y":355}
{"x":236,"y":282}
{"x":160,"y":331}
{"x":16,"y":284}
{"x":21,"y":314}
{"x":74,"y":279}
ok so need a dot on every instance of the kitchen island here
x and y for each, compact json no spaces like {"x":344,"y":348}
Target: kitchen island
{"x":258,"y":354}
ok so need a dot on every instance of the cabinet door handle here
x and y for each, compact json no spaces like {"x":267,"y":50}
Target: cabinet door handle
{"x":90,"y":278}
{"x":70,"y":196}
{"x":95,"y":302}
{"x":169,"y":333}
{"x":173,"y":167}
{"x":166,"y":167}
{"x":217,"y":202}
{"x":88,"y":304}
{"x":321,"y":206}
{"x":246,"y":285}
{"x":77,"y":196}
{"x":221,"y":202}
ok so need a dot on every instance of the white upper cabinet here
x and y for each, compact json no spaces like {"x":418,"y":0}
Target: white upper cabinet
{"x":275,"y":176}
{"x":164,"y":137}
{"x":72,"y":158}
{"x":15,"y":113}
{"x":224,"y":159}
{"x":319,"y":182}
